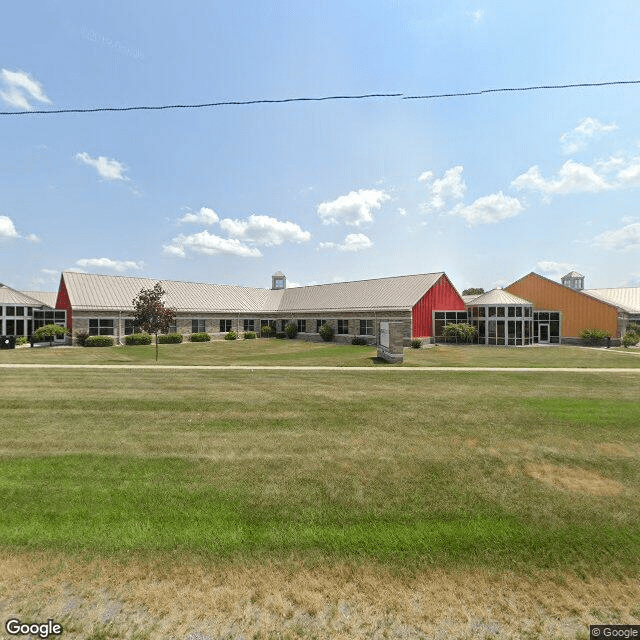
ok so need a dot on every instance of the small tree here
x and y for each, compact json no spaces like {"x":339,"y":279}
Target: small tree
{"x":49,"y":332}
{"x":150,"y":313}
{"x":473,"y":291}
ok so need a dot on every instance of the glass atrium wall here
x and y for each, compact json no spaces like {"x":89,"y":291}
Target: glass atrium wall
{"x":508,"y":325}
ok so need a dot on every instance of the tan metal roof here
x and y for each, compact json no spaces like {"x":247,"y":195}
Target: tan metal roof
{"x":46,"y":297}
{"x":573,"y":274}
{"x":116,"y":293}
{"x":625,"y":298}
{"x":13,"y":296}
{"x":498,"y":297}
{"x":469,"y":299}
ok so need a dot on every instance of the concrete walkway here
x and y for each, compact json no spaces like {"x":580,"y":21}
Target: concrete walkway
{"x":156,"y":367}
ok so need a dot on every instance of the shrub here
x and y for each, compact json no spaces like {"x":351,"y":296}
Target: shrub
{"x":281,"y":335}
{"x":231,"y":335}
{"x":249,"y":335}
{"x":630,"y":339}
{"x":99,"y":341}
{"x":461,"y":332}
{"x":81,"y":337}
{"x":357,"y":340}
{"x":200,"y":337}
{"x":170,"y":338}
{"x":594,"y":336}
{"x":267,"y":331}
{"x":137,"y":338}
{"x":49,"y":332}
{"x":22,"y":340}
{"x":416,"y":344}
{"x":633,"y":327}
{"x":326,"y":332}
{"x":291,"y":330}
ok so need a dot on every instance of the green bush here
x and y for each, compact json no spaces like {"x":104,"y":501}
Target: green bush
{"x":231,"y":335}
{"x":291,"y":330}
{"x":461,"y":332}
{"x":49,"y":332}
{"x":249,"y":335}
{"x":594,"y":336}
{"x":170,"y":338}
{"x":81,"y":337}
{"x":21,"y":340}
{"x":357,"y":340}
{"x":137,"y":338}
{"x":267,"y":331}
{"x":281,"y":335}
{"x":200,"y":337}
{"x":99,"y":341}
{"x":630,"y":339}
{"x":633,"y":327}
{"x":416,"y":344}
{"x":326,"y":332}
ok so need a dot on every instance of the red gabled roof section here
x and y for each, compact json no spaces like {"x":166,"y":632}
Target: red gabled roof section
{"x":442,"y":296}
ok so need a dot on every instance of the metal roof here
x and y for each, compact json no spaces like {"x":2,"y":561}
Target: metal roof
{"x":116,"y":293}
{"x":498,"y":297}
{"x":573,"y":274}
{"x":469,"y":299}
{"x":48,"y":298}
{"x":625,"y":298}
{"x":12,"y":296}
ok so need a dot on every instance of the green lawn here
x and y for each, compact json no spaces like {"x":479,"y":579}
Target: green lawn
{"x":515,"y":471}
{"x":298,"y":352}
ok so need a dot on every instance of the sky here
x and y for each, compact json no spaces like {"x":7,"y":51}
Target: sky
{"x":486,"y":188}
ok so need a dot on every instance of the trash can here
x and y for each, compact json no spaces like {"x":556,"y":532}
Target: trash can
{"x":7,"y":342}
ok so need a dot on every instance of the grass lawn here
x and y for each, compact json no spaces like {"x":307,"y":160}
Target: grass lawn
{"x":298,"y":352}
{"x":303,"y":483}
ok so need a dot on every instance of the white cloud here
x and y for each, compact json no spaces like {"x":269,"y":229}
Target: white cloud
{"x":205,"y":217}
{"x":589,"y":128}
{"x":402,"y":212}
{"x":353,"y":209}
{"x":107,"y":263}
{"x":209,"y":244}
{"x":477,"y":15}
{"x":553,"y":269}
{"x":488,"y":209}
{"x":108,"y":168}
{"x":19,"y":87}
{"x":443,"y":191}
{"x":625,"y":239}
{"x":32,"y":237}
{"x":352,"y":242}
{"x":50,"y":272}
{"x":573,"y":177}
{"x":7,"y":228}
{"x":264,"y":230}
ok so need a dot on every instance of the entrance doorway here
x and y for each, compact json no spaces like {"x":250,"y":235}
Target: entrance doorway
{"x":543,"y":333}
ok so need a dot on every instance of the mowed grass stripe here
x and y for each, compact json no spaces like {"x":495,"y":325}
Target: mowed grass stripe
{"x":527,"y":470}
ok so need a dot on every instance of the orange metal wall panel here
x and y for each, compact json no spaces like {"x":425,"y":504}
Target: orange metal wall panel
{"x":579,"y":311}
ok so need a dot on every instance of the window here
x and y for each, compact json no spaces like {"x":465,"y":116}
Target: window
{"x":500,"y":312}
{"x":101,"y":326}
{"x":19,"y":311}
{"x":10,"y":311}
{"x":172,"y":328}
{"x":225,"y":325}
{"x":130,"y":327}
{"x":343,"y":326}
{"x":197,"y":325}
{"x":249,"y":324}
{"x":366,"y":327}
{"x":319,"y":323}
{"x":302,"y":326}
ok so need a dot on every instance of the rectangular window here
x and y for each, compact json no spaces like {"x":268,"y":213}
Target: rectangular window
{"x":249,"y":324}
{"x":130,"y":327}
{"x":519,"y":312}
{"x":511,"y":312}
{"x":10,"y":311}
{"x":440,"y":315}
{"x":225,"y":325}
{"x":319,"y":323}
{"x":302,"y":326}
{"x":101,"y":326}
{"x":19,"y":311}
{"x":10,"y":329}
{"x":343,"y":327}
{"x":500,"y":312}
{"x":492,"y":311}
{"x":463,"y":316}
{"x":366,"y":327}
{"x":197,"y":325}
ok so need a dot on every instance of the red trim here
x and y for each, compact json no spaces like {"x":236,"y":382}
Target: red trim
{"x":63,"y":302}
{"x":442,"y":296}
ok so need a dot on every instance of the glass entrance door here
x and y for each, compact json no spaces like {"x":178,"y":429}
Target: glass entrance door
{"x":543,"y":333}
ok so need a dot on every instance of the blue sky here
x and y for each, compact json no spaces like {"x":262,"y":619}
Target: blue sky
{"x":486,"y":188}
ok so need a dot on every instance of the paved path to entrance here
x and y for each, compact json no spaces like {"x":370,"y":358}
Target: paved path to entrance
{"x":161,"y":367}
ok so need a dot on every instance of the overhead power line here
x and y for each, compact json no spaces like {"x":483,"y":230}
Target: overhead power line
{"x":401,"y":96}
